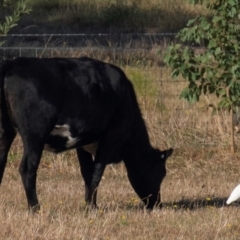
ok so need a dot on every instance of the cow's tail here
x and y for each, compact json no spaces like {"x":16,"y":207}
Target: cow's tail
{"x":5,"y":120}
{"x":7,"y":130}
{"x":2,"y":74}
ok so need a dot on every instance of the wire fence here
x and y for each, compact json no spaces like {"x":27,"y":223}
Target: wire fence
{"x":82,"y":40}
{"x":117,"y":48}
{"x":141,"y":56}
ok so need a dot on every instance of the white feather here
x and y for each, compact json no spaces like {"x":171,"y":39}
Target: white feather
{"x":235,"y":195}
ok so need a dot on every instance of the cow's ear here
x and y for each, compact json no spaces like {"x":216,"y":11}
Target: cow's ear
{"x":166,"y":153}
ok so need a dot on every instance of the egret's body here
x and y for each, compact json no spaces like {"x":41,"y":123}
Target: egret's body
{"x":235,"y":195}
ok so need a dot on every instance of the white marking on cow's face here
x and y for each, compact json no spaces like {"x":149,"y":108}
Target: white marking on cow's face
{"x":162,"y":156}
{"x":63,"y":131}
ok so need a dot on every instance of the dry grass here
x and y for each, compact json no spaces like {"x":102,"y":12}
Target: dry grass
{"x":193,"y":193}
{"x":201,"y":175}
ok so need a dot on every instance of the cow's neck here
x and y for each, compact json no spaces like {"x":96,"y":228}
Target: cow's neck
{"x":138,"y":146}
{"x":140,"y":135}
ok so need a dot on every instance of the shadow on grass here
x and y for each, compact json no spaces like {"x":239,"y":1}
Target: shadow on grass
{"x":189,"y":204}
{"x":185,"y":204}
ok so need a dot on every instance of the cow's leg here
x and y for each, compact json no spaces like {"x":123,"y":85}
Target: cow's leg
{"x":87,"y":166}
{"x":28,"y":170}
{"x":108,"y":149}
{"x":6,"y":139}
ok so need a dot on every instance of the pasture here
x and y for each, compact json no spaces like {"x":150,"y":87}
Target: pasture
{"x":200,"y":174}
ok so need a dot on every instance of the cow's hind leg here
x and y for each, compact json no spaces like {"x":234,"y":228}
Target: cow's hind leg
{"x":28,"y":169}
{"x":6,"y":139}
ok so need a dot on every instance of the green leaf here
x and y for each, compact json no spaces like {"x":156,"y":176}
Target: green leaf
{"x":232,"y":2}
{"x":184,"y":93}
{"x":217,"y":51}
{"x":11,"y":20}
{"x":216,"y":19}
{"x":221,"y":92}
{"x":190,"y":22}
{"x":206,"y":26}
{"x":175,"y":73}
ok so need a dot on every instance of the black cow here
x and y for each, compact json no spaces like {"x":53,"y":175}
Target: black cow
{"x":60,"y":104}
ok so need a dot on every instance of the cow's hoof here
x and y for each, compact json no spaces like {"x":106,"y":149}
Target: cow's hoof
{"x":35,"y":209}
{"x":90,"y":207}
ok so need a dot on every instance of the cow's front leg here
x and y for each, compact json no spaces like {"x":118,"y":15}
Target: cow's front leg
{"x":98,"y":171}
{"x":87,"y":166}
{"x":106,"y":152}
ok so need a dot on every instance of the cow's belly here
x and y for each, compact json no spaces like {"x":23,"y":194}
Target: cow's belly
{"x":60,"y":139}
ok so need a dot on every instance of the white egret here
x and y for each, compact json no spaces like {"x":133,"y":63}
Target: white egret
{"x":235,"y":195}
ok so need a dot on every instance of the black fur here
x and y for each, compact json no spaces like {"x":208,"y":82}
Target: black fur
{"x":97,"y":102}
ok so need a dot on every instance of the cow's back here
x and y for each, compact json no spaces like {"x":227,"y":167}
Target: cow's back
{"x":84,"y":96}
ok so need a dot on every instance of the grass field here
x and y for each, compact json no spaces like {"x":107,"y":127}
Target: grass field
{"x":193,"y":194}
{"x":200,"y":174}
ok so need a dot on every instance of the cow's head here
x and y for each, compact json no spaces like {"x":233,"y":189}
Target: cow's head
{"x":146,"y":176}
